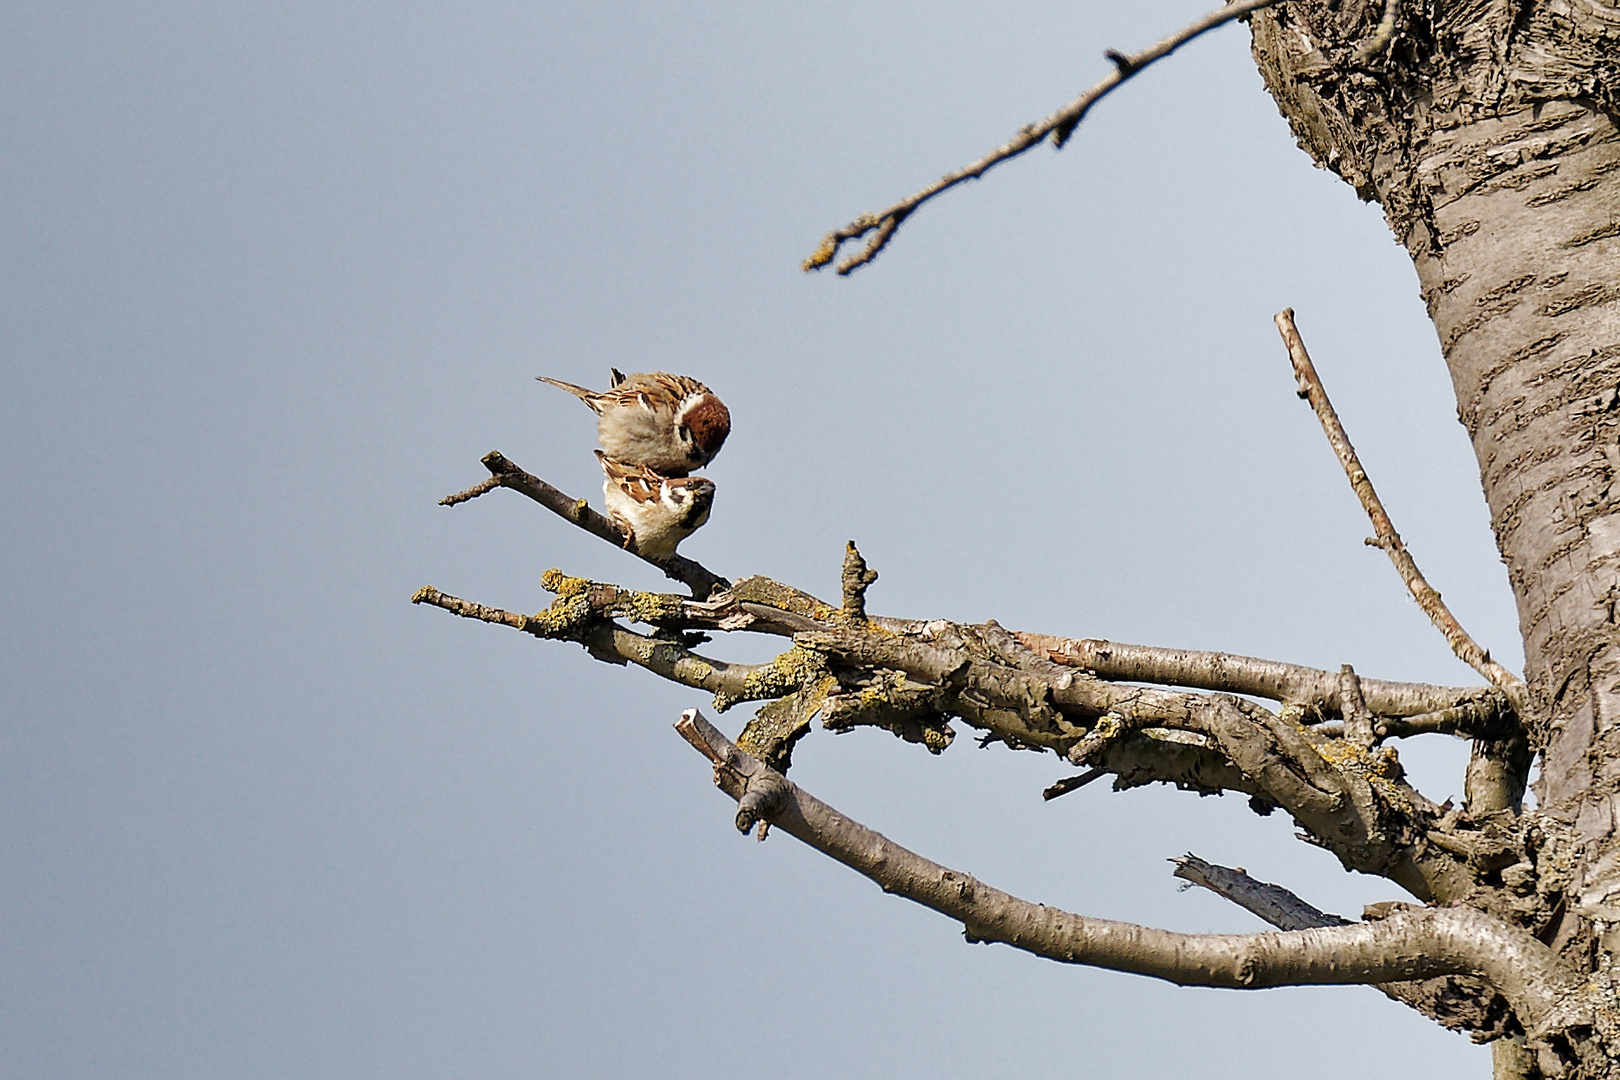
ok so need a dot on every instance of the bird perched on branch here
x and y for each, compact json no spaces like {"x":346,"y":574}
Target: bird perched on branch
{"x":670,"y":424}
{"x":655,"y":512}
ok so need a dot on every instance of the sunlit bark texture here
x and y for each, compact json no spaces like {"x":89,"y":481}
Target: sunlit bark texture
{"x":1487,"y":131}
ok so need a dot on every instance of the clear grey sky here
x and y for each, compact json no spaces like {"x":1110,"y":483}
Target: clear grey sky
{"x":276,"y":275}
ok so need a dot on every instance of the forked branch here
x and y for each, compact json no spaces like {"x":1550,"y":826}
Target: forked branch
{"x":1459,"y":1002}
{"x":914,"y":678}
{"x":503,"y":473}
{"x":1415,"y":944}
{"x":1059,"y":126}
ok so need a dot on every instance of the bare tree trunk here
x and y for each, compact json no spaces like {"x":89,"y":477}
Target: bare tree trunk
{"x":1488,"y":133}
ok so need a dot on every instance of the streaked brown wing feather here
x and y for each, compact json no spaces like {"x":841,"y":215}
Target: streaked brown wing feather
{"x":636,"y":481}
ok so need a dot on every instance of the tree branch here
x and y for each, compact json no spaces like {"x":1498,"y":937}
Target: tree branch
{"x":1416,"y":944}
{"x":1272,"y":903}
{"x":1060,"y":125}
{"x":1315,"y":688}
{"x":574,"y":617}
{"x":504,"y":473}
{"x":1466,"y":648}
{"x":913,"y":677}
{"x":1458,"y":1002}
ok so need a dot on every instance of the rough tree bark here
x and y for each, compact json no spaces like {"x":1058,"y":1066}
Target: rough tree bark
{"x":1487,"y":130}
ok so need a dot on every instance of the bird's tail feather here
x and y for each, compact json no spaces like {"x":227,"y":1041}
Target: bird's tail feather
{"x":578,"y":391}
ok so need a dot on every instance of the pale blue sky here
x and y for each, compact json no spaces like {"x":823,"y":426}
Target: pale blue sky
{"x":275,"y":276}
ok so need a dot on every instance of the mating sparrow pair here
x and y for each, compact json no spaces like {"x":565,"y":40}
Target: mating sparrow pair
{"x":655,"y":428}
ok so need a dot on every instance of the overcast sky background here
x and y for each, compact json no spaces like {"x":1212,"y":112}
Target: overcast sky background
{"x":275,"y":276}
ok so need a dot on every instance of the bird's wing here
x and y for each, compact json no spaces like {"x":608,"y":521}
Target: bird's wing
{"x":637,"y":481}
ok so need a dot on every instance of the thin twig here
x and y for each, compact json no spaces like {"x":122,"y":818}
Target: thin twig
{"x":503,"y":473}
{"x":1466,"y":648}
{"x":1060,"y":125}
{"x":1072,"y":783}
{"x":1382,"y":34}
{"x":572,"y":617}
{"x":471,"y":493}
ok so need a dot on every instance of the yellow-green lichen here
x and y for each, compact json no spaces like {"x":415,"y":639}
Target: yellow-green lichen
{"x":779,"y":724}
{"x":555,"y":581}
{"x":795,"y":668}
{"x":647,"y":607}
{"x":762,"y":590}
{"x":696,"y":671}
{"x":1379,"y":766}
{"x":567,"y":613}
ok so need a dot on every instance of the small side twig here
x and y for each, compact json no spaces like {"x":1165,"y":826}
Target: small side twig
{"x":1072,"y":783}
{"x":471,"y":493}
{"x":1358,"y":719}
{"x":1060,"y":125}
{"x":1382,"y":34}
{"x":1464,"y":646}
{"x":503,"y":473}
{"x":856,"y":579}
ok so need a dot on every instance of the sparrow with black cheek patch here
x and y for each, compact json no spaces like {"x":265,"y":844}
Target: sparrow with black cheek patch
{"x":670,"y":424}
{"x":655,"y":512}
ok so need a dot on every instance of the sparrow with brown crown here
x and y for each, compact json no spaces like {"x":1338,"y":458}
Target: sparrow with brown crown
{"x":655,"y":512}
{"x":670,"y":424}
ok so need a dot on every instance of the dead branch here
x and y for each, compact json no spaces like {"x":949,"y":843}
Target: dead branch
{"x":913,"y":678}
{"x":1458,"y":1002}
{"x":1060,"y":125}
{"x":504,"y":473}
{"x":1313,"y":688}
{"x":572,"y":617}
{"x":1466,"y":648}
{"x":1273,"y":903}
{"x":1412,"y":944}
{"x":1072,"y":783}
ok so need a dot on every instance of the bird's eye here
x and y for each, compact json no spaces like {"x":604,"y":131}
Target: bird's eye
{"x":685,"y":434}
